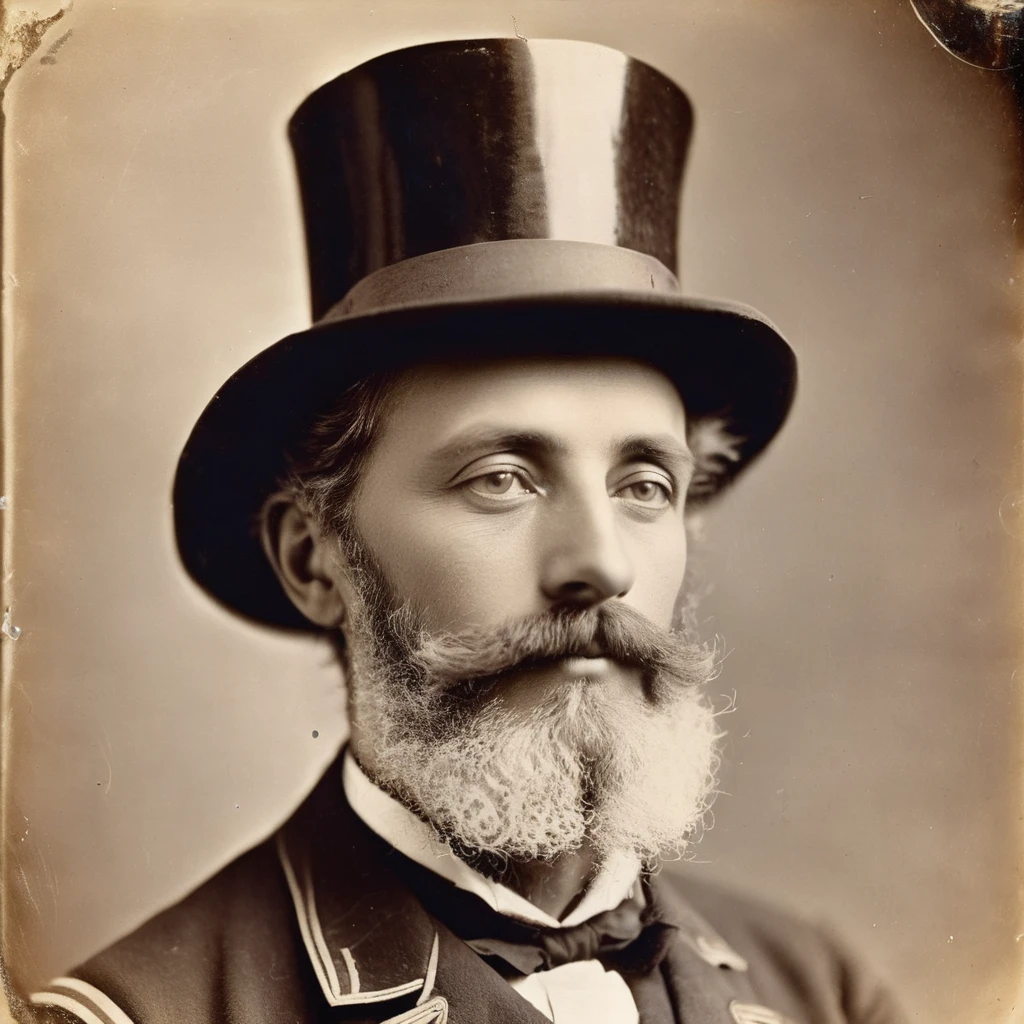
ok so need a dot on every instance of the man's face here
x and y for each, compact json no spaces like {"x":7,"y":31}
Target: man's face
{"x":505,"y":490}
{"x":512,"y":567}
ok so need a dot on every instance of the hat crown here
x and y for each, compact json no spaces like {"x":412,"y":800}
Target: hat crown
{"x":454,"y":143}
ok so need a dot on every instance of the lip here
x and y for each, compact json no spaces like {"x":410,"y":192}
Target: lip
{"x":587,"y":665}
{"x":530,"y":682}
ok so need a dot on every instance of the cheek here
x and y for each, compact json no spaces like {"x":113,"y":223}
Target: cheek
{"x":475,"y":573}
{"x":660,"y":565}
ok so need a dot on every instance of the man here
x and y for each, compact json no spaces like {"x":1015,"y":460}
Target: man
{"x":474,"y":476}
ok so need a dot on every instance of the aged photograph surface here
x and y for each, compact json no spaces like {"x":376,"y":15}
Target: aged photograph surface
{"x":512,"y":513}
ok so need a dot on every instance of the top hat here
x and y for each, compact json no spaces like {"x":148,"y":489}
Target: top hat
{"x":465,"y":200}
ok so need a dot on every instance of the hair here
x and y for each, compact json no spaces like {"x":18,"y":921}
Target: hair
{"x":323,"y":470}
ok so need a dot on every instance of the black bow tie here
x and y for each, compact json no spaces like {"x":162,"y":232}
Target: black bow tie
{"x":628,"y":939}
{"x":620,"y":939}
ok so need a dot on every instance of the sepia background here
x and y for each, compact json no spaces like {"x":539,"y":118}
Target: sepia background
{"x":848,"y":177}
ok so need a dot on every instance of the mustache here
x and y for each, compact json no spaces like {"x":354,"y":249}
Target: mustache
{"x":612,"y":630}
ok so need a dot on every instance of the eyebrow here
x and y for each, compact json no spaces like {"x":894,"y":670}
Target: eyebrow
{"x":665,"y":449}
{"x":529,"y":442}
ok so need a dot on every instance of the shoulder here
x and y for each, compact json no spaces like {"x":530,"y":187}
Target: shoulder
{"x":180,"y":965}
{"x":788,"y":956}
{"x":759,"y":926}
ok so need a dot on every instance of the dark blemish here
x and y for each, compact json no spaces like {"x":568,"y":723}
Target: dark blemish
{"x":315,"y":734}
{"x":50,"y":58}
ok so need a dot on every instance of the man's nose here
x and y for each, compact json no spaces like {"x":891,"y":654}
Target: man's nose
{"x":585,"y":561}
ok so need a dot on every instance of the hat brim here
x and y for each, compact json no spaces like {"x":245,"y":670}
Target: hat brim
{"x":726,"y":360}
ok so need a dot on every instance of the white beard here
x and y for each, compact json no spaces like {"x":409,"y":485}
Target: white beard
{"x":627,"y":774}
{"x":536,"y":784}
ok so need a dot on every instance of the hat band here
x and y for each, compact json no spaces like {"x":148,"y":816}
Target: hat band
{"x":516,"y":267}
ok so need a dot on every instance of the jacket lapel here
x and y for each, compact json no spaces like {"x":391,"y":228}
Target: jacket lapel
{"x":476,"y":992}
{"x":705,"y":977}
{"x":370,"y":942}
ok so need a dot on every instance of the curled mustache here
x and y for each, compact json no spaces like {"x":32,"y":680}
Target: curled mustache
{"x":612,"y":630}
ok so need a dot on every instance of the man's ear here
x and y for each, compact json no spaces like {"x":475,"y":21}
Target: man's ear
{"x":304,"y":561}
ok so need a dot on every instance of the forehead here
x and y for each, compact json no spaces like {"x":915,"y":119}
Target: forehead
{"x":564,"y":397}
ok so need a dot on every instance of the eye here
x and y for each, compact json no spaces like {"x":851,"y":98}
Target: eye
{"x":647,"y":491}
{"x":501,"y":484}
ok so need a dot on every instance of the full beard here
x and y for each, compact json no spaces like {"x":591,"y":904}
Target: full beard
{"x":631,"y":774}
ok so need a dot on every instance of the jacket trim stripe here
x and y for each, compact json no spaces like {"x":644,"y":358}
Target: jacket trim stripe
{"x":83,"y":1000}
{"x":428,"y":983}
{"x":321,"y":960}
{"x":323,"y":963}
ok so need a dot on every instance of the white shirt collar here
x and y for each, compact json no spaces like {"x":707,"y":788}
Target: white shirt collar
{"x":403,"y":830}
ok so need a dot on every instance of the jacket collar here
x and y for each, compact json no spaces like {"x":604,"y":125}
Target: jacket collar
{"x":370,"y":941}
{"x":368,"y":938}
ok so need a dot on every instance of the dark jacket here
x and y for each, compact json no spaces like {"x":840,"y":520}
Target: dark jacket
{"x":314,"y":925}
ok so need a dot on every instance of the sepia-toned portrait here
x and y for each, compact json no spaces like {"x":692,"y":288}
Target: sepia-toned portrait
{"x":512,"y":514}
